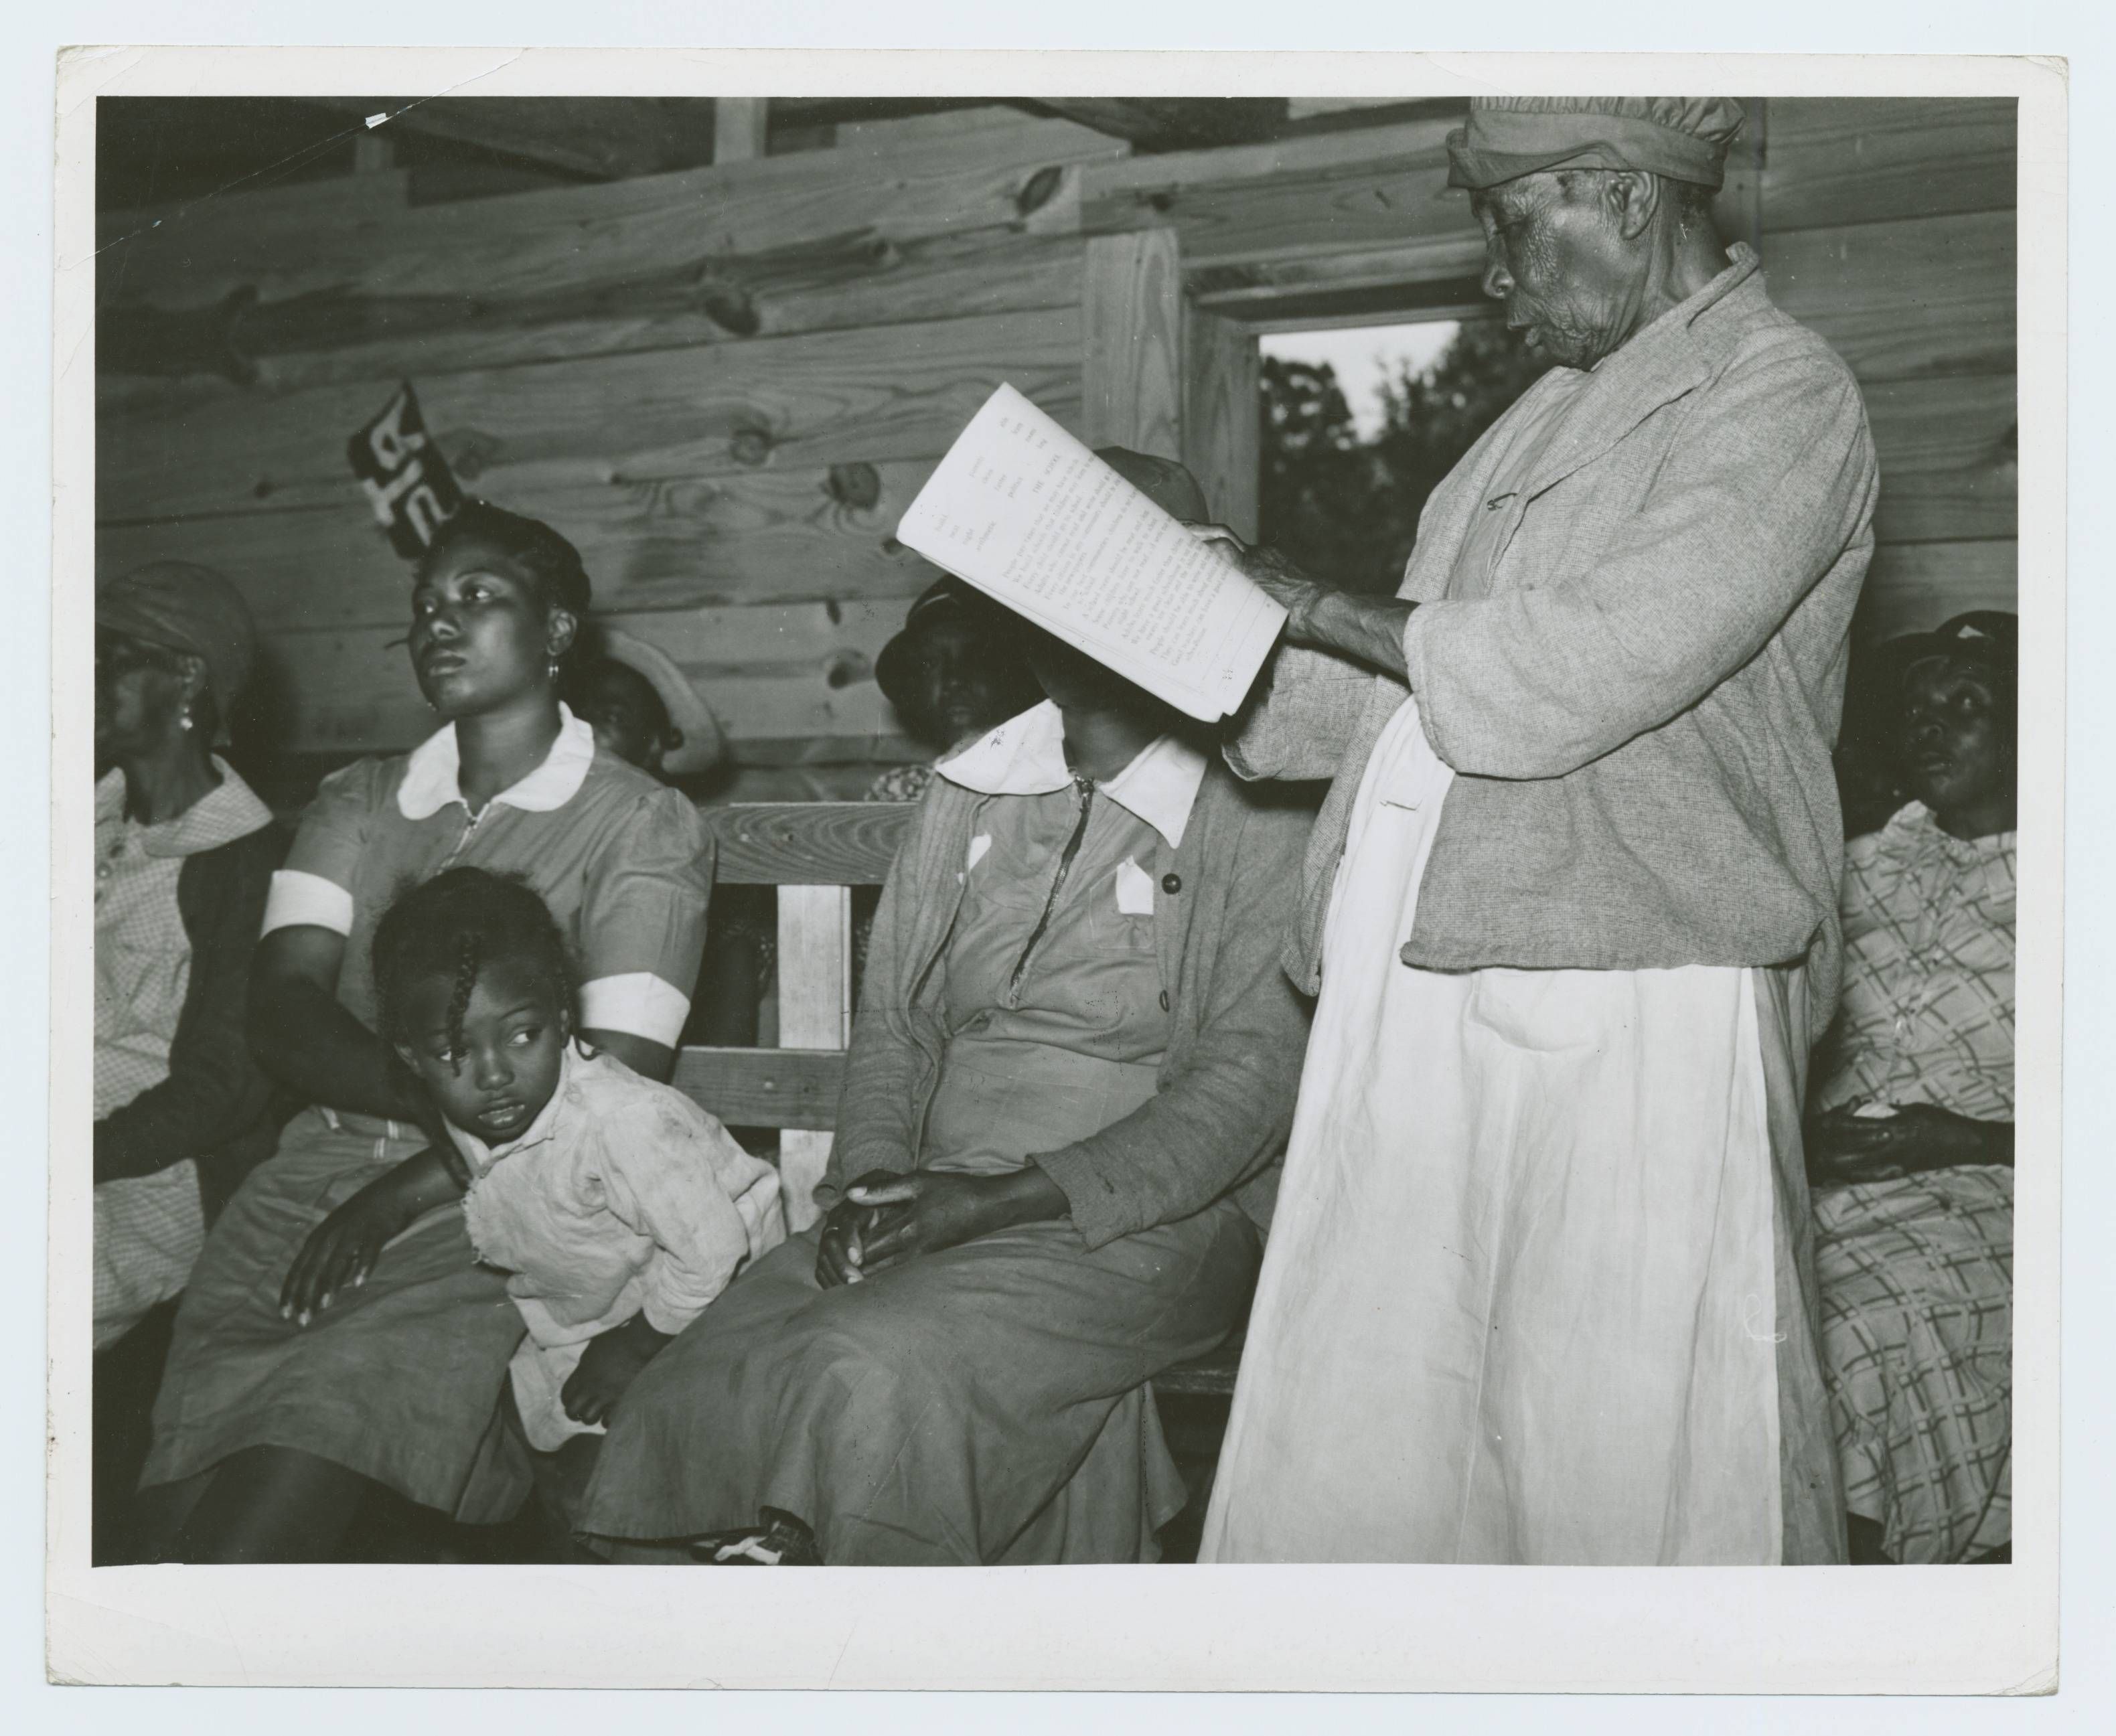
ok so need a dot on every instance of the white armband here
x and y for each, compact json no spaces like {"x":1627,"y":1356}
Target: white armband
{"x":299,"y":900}
{"x":639,"y":1004}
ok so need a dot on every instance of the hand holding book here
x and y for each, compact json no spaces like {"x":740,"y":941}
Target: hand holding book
{"x":1028,"y":515}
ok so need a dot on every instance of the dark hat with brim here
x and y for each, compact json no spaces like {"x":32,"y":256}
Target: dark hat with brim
{"x":1985,"y":638}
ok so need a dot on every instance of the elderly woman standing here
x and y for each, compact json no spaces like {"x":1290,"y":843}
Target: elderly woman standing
{"x":338,"y":1334}
{"x":183,"y":854}
{"x":1911,"y":1146}
{"x":1538,"y":1287}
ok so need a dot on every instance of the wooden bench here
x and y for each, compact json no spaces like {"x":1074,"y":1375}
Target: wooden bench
{"x":815,"y":853}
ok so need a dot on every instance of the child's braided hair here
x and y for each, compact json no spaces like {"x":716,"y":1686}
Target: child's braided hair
{"x":458,"y":923}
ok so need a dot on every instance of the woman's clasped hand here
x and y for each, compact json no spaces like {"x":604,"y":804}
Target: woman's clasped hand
{"x":886,"y":1219}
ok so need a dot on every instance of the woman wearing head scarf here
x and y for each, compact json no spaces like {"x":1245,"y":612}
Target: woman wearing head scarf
{"x":183,"y":853}
{"x":1538,"y":1287}
{"x":1068,"y":1086}
{"x":338,"y":1333}
{"x":1910,"y":1147}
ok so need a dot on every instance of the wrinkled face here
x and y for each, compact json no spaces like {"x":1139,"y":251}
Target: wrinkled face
{"x":1559,"y":261}
{"x":513,"y":1036}
{"x":627,"y":715}
{"x":1956,"y":747}
{"x":957,"y":688}
{"x":482,"y":632}
{"x":138,"y":695}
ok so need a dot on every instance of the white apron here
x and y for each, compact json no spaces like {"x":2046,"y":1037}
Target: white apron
{"x":1517,"y":1304}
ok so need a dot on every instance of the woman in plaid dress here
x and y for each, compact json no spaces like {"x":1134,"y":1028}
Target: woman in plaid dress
{"x":1911,"y":1149}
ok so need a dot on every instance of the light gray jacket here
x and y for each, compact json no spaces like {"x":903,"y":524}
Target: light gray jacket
{"x":1638,"y":697}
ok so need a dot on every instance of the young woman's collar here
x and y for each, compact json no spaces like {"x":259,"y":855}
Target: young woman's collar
{"x":431,"y":770}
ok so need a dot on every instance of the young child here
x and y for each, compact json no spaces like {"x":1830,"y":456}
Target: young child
{"x":619,"y":1207}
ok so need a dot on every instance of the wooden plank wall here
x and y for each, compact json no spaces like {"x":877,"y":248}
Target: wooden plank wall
{"x":726,"y":384}
{"x":723,"y":385}
{"x":1888,"y":226}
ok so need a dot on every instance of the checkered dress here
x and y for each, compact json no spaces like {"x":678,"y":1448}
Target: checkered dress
{"x":1917,"y":1275}
{"x":149,"y":1228}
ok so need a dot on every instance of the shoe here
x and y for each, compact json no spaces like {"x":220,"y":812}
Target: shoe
{"x":777,"y":1540}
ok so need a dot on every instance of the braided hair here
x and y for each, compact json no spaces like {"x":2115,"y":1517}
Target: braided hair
{"x":457,"y":923}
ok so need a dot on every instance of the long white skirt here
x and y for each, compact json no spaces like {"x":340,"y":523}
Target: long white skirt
{"x":1521,"y":1297}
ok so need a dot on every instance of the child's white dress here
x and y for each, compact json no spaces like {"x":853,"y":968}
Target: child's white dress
{"x":623,"y":1197}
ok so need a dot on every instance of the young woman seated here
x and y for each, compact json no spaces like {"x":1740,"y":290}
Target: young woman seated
{"x":338,"y":1334}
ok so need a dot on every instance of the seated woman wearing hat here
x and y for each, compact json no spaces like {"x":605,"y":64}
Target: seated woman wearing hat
{"x":184,"y":852}
{"x":1069,"y":1081}
{"x":1911,"y":1140}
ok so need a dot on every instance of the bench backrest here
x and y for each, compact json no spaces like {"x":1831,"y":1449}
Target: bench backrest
{"x":815,"y":853}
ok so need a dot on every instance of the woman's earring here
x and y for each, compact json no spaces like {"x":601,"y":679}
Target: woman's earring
{"x":184,"y":719}
{"x":555,"y":668}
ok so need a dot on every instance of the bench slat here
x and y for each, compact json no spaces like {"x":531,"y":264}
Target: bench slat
{"x":764,"y":1087}
{"x":808,"y":844}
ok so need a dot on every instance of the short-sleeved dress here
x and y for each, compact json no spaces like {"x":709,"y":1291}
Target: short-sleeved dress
{"x":400,"y":1379}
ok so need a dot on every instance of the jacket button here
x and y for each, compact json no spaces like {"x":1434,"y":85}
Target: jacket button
{"x":1164,"y":1000}
{"x":1171,"y":882}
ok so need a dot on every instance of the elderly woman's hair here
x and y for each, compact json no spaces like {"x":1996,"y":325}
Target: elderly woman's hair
{"x":533,"y":546}
{"x":456,"y":925}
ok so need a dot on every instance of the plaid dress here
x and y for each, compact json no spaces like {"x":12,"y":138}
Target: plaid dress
{"x":1917,"y":1275}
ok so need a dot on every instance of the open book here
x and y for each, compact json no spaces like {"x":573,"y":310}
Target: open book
{"x":1025,"y":512}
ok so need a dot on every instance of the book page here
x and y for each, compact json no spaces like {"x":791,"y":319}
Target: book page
{"x":1028,"y":515}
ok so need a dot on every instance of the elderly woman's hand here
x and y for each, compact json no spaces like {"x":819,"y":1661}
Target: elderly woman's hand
{"x":933,"y":1209}
{"x":1271,"y":572}
{"x":1844,"y":1146}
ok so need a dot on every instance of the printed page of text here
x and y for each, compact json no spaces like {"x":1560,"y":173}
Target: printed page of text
{"x":1025,"y":512}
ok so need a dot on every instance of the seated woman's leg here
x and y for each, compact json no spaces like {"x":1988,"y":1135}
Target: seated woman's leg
{"x":271,"y":1504}
{"x":397,"y":1381}
{"x":928,"y":1414}
{"x":1917,"y":1284}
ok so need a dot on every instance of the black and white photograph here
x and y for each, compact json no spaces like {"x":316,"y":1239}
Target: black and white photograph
{"x":911,"y":827}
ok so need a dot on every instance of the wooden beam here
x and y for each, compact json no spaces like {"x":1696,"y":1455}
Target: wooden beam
{"x":1221,"y":416}
{"x":815,"y":1012}
{"x":763,"y":1087}
{"x":337,"y":241}
{"x":1173,"y":123}
{"x":594,"y":138}
{"x":849,"y":843}
{"x":1912,"y":587}
{"x":673,"y":417}
{"x":1131,"y":328}
{"x":1837,"y":160}
{"x":1917,"y":298}
{"x":739,"y":124}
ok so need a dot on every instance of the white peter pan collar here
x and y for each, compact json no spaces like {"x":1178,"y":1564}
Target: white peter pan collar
{"x":1025,"y":756}
{"x":432,"y":769}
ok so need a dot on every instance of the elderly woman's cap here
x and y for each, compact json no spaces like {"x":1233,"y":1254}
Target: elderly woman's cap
{"x":182,"y":608}
{"x":1682,"y":137}
{"x":1162,"y":480}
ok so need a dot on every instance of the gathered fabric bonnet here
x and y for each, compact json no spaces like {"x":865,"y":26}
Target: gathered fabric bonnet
{"x":1684,"y":138}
